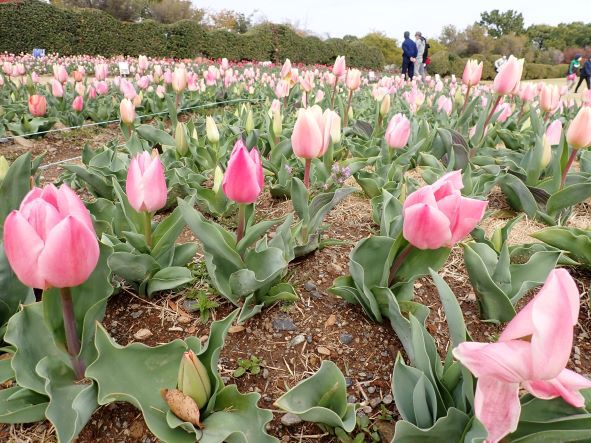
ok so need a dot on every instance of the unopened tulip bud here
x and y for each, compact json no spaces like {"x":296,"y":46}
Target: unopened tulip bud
{"x":579,"y":130}
{"x":339,"y":68}
{"x":127,"y":111}
{"x":218,"y":177}
{"x":249,"y":124}
{"x":180,"y":139}
{"x":193,"y":379}
{"x":547,"y":153}
{"x":385,"y":105}
{"x":277,"y":123}
{"x":3,"y":167}
{"x":211,"y":130}
{"x":78,"y":104}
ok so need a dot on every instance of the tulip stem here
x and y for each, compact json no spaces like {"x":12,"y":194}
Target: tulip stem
{"x":334,"y":93}
{"x":398,"y":262}
{"x":490,"y":114}
{"x":466,"y":99}
{"x":569,"y":163}
{"x":241,"y":222}
{"x":346,"y":117}
{"x":307,"y":173}
{"x":148,"y":228}
{"x":72,"y":340}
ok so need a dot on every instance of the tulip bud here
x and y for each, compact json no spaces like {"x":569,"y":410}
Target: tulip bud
{"x":127,"y":111}
{"x":335,"y":127}
{"x":218,"y":177}
{"x":4,"y":165}
{"x":385,"y":105}
{"x":193,"y":379}
{"x":37,"y":105}
{"x":339,"y":68}
{"x":180,"y":139}
{"x":249,"y":125}
{"x":211,"y":130}
{"x":277,"y":123}
{"x":579,"y":131}
{"x":547,"y":153}
{"x":398,"y":131}
{"x":179,"y":79}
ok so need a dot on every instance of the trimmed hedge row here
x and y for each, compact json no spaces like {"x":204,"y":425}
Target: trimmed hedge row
{"x":34,"y":24}
{"x":444,"y":63}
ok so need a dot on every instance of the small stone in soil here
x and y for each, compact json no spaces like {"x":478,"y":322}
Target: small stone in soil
{"x":310,"y":286}
{"x":284,"y":324}
{"x":142,"y":334}
{"x":290,"y":419}
{"x":316,"y":294}
{"x":371,"y":389}
{"x":375,"y":401}
{"x":387,"y":399}
{"x":184,"y":319}
{"x":265,"y":373}
{"x":351,"y":399}
{"x":136,"y":314}
{"x":345,"y":338}
{"x":309,"y":338}
{"x":348,"y":381}
{"x":298,"y":339}
{"x":322,"y":350}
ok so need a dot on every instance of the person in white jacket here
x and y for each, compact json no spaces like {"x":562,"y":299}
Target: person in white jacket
{"x":500,"y":62}
{"x":419,"y":62}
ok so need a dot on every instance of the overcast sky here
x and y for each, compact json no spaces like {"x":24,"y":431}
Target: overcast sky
{"x":338,"y":18}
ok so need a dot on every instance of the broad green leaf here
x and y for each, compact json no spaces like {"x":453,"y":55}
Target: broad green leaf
{"x":169,"y":278}
{"x":449,"y":428}
{"x":155,"y":135}
{"x":20,"y":405}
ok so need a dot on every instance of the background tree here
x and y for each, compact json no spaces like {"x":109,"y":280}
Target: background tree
{"x":389,"y":47}
{"x":502,"y":23}
{"x":230,"y":21}
{"x":171,"y":11}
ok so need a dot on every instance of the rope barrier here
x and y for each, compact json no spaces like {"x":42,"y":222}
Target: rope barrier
{"x":206,"y":105}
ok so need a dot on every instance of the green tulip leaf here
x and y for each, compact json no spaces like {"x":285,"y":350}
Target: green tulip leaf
{"x":321,"y":398}
{"x":20,"y":405}
{"x":449,"y":428}
{"x":169,"y":278}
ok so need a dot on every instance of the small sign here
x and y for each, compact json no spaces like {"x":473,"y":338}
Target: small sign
{"x":123,"y":68}
{"x":38,"y":53}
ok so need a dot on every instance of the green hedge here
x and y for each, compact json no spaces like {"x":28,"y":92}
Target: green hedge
{"x":35,"y":24}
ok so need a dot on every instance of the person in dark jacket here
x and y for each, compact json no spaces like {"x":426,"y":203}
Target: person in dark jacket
{"x":585,"y":74}
{"x":409,"y":56}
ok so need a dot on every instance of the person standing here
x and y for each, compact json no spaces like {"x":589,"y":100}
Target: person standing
{"x":500,"y":62}
{"x":573,"y":68}
{"x":419,"y":63}
{"x":585,"y":74}
{"x":409,"y":56}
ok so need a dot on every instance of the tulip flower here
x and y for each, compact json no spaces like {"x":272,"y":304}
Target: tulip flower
{"x":547,"y":151}
{"x":142,"y":63}
{"x":438,"y":216}
{"x":444,"y":104}
{"x":506,"y":112}
{"x":146,"y":188}
{"x":179,"y":79}
{"x":50,"y":242}
{"x":37,"y":105}
{"x":211,"y":130}
{"x":398,"y":131}
{"x":193,"y":379}
{"x":60,"y":73}
{"x":554,"y":132}
{"x":311,"y":135}
{"x":243,"y":180}
{"x":57,"y":90}
{"x":78,"y":104}
{"x":385,"y":105}
{"x":127,"y":113}
{"x":78,"y":76}
{"x":4,"y":165}
{"x":352,"y":82}
{"x":180,"y":139}
{"x":472,"y":73}
{"x":508,"y":76}
{"x":549,"y":98}
{"x":339,"y":68}
{"x":532,"y":353}
{"x":285,"y":73}
{"x":578,"y":136}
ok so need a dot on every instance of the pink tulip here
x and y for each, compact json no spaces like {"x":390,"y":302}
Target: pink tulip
{"x":127,"y":89}
{"x":508,"y":77}
{"x":50,"y":240}
{"x":311,"y":133}
{"x":37,"y":105}
{"x":91,"y":91}
{"x":179,"y":79}
{"x":578,"y":134}
{"x":143,"y":82}
{"x":444,"y":104}
{"x":339,"y":68}
{"x":127,"y":111}
{"x":527,"y":92}
{"x":506,"y":112}
{"x":282,"y":89}
{"x":285,"y":69}
{"x":398,"y":131}
{"x":319,"y":96}
{"x":438,"y":216}
{"x":243,"y":180}
{"x":168,"y":77}
{"x":472,"y":73}
{"x":549,"y":98}
{"x":587,"y":97}
{"x":142,"y":63}
{"x":225,"y":64}
{"x":7,"y":68}
{"x":532,"y":353}
{"x":146,"y":184}
{"x":101,"y":71}
{"x":80,"y":89}
{"x":353,"y":80}
{"x":78,"y":76}
{"x":60,"y":73}
{"x":78,"y":104}
{"x":554,"y":132}
{"x":102,"y":87}
{"x":57,"y":90}
{"x":35,"y":77}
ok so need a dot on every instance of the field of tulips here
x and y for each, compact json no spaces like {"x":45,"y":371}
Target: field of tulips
{"x":212,"y":251}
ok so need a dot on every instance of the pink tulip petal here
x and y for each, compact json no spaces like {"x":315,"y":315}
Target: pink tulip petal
{"x":241,"y":179}
{"x":496,"y":405}
{"x":422,"y":195}
{"x":306,"y":139}
{"x":469,"y":214}
{"x":42,"y":216}
{"x":23,"y":247}
{"x":425,"y":227}
{"x":452,"y":181}
{"x":70,"y":255}
{"x":256,"y":157}
{"x":134,"y":186}
{"x":566,"y":385}
{"x":154,"y":183}
{"x":505,"y":361}
{"x":69,"y":203}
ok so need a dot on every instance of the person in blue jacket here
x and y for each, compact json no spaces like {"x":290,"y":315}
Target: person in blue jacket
{"x":409,"y":56}
{"x":585,"y":74}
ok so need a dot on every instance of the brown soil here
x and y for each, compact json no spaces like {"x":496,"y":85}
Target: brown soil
{"x":318,"y":316}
